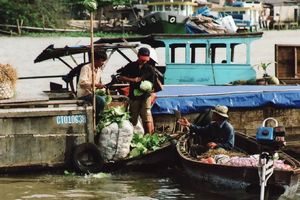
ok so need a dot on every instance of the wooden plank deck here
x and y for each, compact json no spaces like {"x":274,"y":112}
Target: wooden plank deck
{"x":26,"y":97}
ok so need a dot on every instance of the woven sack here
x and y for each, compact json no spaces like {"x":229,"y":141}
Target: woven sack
{"x":6,"y":90}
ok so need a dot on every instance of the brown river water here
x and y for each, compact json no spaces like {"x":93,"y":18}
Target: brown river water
{"x":161,"y":184}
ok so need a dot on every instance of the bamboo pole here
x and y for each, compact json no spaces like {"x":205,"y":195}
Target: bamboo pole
{"x":93,"y":72}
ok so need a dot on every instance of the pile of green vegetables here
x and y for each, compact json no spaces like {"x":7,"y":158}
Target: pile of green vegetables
{"x":110,"y":115}
{"x":141,"y":144}
{"x":102,"y":92}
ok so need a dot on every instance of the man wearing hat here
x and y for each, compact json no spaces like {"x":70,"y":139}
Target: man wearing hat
{"x":140,"y":75}
{"x":218,"y":134}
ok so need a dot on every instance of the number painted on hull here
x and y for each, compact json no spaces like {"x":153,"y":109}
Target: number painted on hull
{"x":71,"y":119}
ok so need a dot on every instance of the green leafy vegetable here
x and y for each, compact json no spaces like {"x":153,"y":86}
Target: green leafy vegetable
{"x":67,"y":173}
{"x":100,"y":92}
{"x":111,"y":115}
{"x":141,"y":144}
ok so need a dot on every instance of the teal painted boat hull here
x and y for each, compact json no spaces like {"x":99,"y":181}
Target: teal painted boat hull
{"x":207,"y":74}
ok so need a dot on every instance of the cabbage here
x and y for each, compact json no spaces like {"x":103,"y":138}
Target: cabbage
{"x":137,"y":92}
{"x":146,"y":86}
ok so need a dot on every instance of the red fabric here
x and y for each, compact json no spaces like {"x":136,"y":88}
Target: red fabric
{"x":124,"y":91}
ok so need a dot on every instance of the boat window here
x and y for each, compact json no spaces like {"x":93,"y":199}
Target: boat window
{"x":182,"y":7}
{"x":159,"y":8}
{"x":198,"y":53}
{"x":175,"y":7}
{"x":177,"y":53}
{"x":220,"y":55}
{"x":167,"y":8}
{"x":160,"y":56}
{"x":240,"y":54}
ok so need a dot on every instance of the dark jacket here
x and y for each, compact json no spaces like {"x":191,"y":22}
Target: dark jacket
{"x":222,"y":135}
{"x":132,"y":70}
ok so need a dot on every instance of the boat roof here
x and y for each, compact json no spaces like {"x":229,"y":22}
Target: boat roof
{"x":154,"y":40}
{"x":51,"y":52}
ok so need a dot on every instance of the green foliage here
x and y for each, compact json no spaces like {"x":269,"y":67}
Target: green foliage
{"x":141,"y":144}
{"x":264,"y":67}
{"x":50,"y":13}
{"x":90,"y":5}
{"x":102,"y":92}
{"x":111,"y":115}
{"x":37,"y":13}
{"x":67,"y":173}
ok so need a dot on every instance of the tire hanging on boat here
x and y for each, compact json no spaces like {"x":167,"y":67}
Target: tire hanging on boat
{"x":153,"y":20}
{"x":86,"y":158}
{"x":143,"y":22}
{"x":172,"y":19}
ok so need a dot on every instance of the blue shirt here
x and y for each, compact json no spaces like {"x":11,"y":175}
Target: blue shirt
{"x":222,"y":135}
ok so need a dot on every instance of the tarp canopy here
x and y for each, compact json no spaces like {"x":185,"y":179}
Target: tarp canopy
{"x":51,"y":52}
{"x":192,"y":99}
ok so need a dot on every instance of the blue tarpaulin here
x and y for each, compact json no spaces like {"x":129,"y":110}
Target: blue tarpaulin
{"x":192,"y":99}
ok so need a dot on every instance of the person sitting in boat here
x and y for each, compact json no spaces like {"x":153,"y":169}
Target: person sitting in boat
{"x":140,"y":75}
{"x":84,"y":86}
{"x":218,"y":134}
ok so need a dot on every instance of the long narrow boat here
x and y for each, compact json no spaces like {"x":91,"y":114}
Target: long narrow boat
{"x":239,"y":178}
{"x":163,"y":157}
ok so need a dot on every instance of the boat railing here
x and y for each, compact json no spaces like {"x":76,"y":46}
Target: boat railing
{"x":34,"y":104}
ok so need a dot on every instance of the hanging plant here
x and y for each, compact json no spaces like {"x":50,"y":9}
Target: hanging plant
{"x":90,"y":5}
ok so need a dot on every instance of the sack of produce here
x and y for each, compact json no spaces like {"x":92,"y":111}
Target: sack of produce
{"x":8,"y":80}
{"x":115,"y":133}
{"x":125,"y":135}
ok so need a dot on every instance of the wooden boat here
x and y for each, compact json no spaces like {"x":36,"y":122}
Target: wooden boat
{"x":239,"y":178}
{"x":204,"y":69}
{"x":164,"y":157}
{"x":166,"y":17}
{"x":245,"y":15}
{"x":25,"y":143}
{"x":86,"y":158}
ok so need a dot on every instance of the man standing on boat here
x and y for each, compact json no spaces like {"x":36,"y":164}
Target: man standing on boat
{"x":84,"y":86}
{"x":140,"y":75}
{"x":218,"y":134}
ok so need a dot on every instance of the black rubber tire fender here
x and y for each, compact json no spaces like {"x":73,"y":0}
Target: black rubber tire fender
{"x":153,"y":19}
{"x":143,"y":22}
{"x":86,"y":158}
